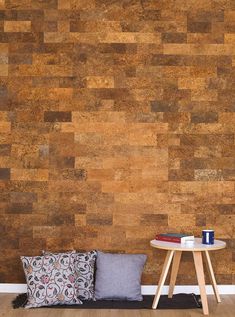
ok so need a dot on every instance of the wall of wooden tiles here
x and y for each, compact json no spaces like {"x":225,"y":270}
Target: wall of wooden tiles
{"x":117,"y":121}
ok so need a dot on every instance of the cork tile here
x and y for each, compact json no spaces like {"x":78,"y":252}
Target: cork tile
{"x":17,"y":26}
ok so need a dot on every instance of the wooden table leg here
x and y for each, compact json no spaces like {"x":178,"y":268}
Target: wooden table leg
{"x":165,"y":270}
{"x":197,"y":256}
{"x":174,"y":272}
{"x":212,"y":276}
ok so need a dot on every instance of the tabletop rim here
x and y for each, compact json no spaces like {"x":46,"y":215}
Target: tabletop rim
{"x":164,"y":245}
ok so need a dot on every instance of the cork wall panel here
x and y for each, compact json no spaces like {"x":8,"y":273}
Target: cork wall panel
{"x":117,"y":121}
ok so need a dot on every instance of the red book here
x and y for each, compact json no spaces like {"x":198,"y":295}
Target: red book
{"x":174,"y":237}
{"x":168,"y":239}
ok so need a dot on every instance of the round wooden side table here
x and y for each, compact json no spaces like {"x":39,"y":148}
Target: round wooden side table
{"x":174,"y":251}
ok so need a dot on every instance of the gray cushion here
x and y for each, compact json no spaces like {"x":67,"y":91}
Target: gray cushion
{"x":118,"y":276}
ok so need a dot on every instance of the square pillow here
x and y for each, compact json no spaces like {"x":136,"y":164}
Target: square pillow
{"x":51,"y":280}
{"x":84,"y":265}
{"x":118,"y":276}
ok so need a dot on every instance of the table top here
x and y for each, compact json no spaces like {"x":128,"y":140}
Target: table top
{"x":197,"y":246}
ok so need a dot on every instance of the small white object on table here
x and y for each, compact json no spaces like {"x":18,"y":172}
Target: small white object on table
{"x":174,"y":251}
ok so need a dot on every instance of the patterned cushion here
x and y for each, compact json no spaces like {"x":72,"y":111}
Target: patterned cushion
{"x":51,"y":280}
{"x":85,"y":267}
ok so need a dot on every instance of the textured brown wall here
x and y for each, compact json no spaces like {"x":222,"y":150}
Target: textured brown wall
{"x":117,"y":121}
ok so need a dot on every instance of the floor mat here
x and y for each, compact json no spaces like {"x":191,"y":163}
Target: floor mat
{"x":179,"y":301}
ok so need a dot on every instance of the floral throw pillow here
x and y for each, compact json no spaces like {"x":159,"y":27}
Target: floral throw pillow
{"x":51,"y":280}
{"x":85,"y":268}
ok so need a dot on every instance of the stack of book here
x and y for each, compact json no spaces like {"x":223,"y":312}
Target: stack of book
{"x":174,"y":237}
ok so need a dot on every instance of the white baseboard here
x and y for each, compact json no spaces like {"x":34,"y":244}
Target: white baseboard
{"x":223,"y":289}
{"x":12,"y":288}
{"x":146,"y":289}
